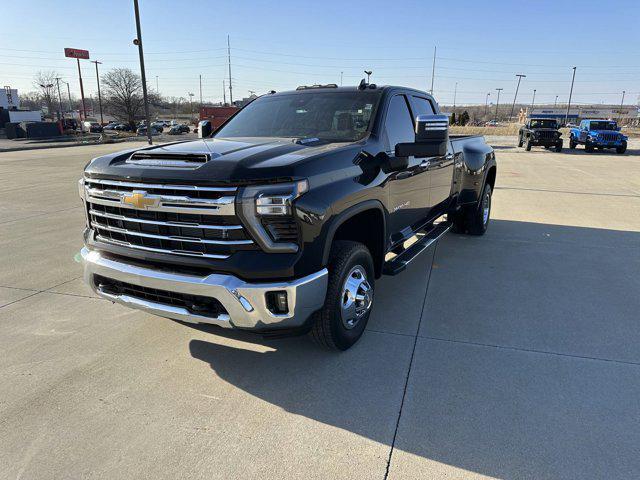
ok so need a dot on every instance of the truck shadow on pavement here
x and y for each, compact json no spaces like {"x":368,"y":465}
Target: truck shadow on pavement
{"x":532,"y":371}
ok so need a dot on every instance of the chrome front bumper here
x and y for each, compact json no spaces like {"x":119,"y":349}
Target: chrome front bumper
{"x":244,"y":302}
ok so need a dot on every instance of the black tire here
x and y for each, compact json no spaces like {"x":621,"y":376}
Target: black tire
{"x":572,"y":143}
{"x":588,"y":147}
{"x":528,"y":146}
{"x":559,"y":147}
{"x":622,"y":149}
{"x":520,"y":141}
{"x":471,"y":220}
{"x":328,"y":329}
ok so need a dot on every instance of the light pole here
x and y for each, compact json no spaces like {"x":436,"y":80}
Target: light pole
{"x":191,"y":103}
{"x":555,"y":103}
{"x":200,"y":78}
{"x":229,"y":57}
{"x":47,"y":89}
{"x":138,"y":42}
{"x":622,"y":101}
{"x":224,"y":94}
{"x":157,"y":89}
{"x":341,"y":75}
{"x":566,"y":117}
{"x":69,"y":94}
{"x":497,"y":103}
{"x":368,"y":72}
{"x":59,"y":98}
{"x":486,"y":103}
{"x":433,"y":68}
{"x":533,"y":101}
{"x":520,"y":77}
{"x":455,"y":94}
{"x":99,"y":96}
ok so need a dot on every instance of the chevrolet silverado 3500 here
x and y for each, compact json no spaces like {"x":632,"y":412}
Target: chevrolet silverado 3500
{"x":282,"y":220}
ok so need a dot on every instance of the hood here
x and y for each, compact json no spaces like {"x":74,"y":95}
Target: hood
{"x":237,"y":160}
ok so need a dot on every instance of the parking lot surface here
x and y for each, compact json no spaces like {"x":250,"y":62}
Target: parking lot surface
{"x":513,"y":355}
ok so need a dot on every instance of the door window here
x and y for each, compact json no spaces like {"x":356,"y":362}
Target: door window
{"x":421,"y":106}
{"x":399,"y":124}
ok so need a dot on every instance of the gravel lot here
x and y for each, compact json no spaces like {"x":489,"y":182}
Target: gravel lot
{"x":513,"y":355}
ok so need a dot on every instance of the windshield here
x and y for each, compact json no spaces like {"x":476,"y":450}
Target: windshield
{"x":603,"y":126}
{"x":332,"y":116}
{"x":543,"y":123}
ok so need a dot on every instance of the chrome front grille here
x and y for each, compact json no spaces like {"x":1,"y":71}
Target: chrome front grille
{"x":175,"y":219}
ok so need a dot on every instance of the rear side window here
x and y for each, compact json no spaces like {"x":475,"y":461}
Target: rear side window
{"x":421,"y":106}
{"x":399,"y":124}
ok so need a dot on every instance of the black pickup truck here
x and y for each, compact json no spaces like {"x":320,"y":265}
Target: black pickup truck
{"x":540,"y":132}
{"x":281,"y":221}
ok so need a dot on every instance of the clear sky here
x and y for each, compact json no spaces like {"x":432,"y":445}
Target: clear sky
{"x":281,"y":44}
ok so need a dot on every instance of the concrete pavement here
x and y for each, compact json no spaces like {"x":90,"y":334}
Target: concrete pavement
{"x":512,"y":355}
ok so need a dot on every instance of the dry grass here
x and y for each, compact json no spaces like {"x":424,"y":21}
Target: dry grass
{"x":509,"y":129}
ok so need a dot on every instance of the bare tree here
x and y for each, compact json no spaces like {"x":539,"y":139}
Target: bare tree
{"x":31,"y":100}
{"x":45,"y":81}
{"x":123,"y":94}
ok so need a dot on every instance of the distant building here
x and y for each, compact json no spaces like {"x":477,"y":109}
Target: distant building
{"x":577,"y":113}
{"x":10,"y":108}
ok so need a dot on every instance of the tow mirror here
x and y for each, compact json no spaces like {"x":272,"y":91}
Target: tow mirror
{"x":432,"y":135}
{"x":392,"y":164}
{"x":205,"y":128}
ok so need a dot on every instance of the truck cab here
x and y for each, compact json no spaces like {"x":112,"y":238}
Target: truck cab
{"x":598,"y":134}
{"x":540,"y":132}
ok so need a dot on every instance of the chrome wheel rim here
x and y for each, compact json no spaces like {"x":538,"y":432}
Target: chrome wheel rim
{"x":356,"y":298}
{"x":485,"y":208}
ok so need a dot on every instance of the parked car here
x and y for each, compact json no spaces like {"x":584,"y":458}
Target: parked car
{"x":540,"y":132}
{"x":70,"y":124}
{"x":110,"y":126}
{"x":283,"y":220}
{"x":142,"y":130}
{"x":176,"y":130}
{"x":598,"y":134}
{"x":91,"y":127}
{"x":158,"y":126}
{"x":122,"y":127}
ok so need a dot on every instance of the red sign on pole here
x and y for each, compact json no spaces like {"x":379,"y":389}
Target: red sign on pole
{"x":76,"y":53}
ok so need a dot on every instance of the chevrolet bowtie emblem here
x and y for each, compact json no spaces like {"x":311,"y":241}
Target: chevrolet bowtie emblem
{"x":140,"y":200}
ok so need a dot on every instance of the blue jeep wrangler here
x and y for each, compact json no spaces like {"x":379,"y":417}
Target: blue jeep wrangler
{"x":598,"y":134}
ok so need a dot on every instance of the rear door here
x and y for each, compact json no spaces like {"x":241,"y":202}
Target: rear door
{"x":409,"y":188}
{"x":440,"y":168}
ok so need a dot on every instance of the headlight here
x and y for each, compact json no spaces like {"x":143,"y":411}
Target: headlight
{"x":280,"y":204}
{"x":264,"y":209}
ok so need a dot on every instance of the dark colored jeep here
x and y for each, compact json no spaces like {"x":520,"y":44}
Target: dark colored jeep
{"x":541,"y":132}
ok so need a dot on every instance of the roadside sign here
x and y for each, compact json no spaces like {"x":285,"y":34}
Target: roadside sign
{"x":76,"y":53}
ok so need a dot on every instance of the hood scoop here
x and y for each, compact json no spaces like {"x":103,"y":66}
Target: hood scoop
{"x":168,"y":160}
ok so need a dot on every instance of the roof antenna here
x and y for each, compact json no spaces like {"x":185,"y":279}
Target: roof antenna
{"x":363,"y":84}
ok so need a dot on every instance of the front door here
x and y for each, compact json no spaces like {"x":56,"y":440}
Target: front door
{"x":409,"y":188}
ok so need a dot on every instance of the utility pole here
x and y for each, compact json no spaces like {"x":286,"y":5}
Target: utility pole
{"x":433,"y":69}
{"x":229,"y":57}
{"x":341,"y":75}
{"x":486,"y":103}
{"x":622,"y":101}
{"x":520,"y":77}
{"x":157,"y":89}
{"x":61,"y":116}
{"x":224,"y":93}
{"x":555,"y":103}
{"x":138,"y":42}
{"x":498,"y":103}
{"x":99,"y":96}
{"x":566,"y":117}
{"x":368,"y":73}
{"x":455,"y":94}
{"x":200,"y":77}
{"x":84,"y":110}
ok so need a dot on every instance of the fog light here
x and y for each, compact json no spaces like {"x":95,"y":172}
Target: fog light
{"x":277,"y":302}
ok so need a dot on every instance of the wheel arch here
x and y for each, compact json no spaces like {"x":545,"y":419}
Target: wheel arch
{"x":365,"y":223}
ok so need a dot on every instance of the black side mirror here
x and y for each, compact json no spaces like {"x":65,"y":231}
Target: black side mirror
{"x":391,"y":164}
{"x":205,"y":128}
{"x":432,"y":135}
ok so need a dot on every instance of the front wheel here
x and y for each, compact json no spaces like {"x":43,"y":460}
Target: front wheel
{"x":528,"y":146}
{"x":344,"y":316}
{"x":559,"y":147}
{"x":572,"y":143}
{"x":478,"y":220}
{"x":622,"y":148}
{"x":519,"y":140}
